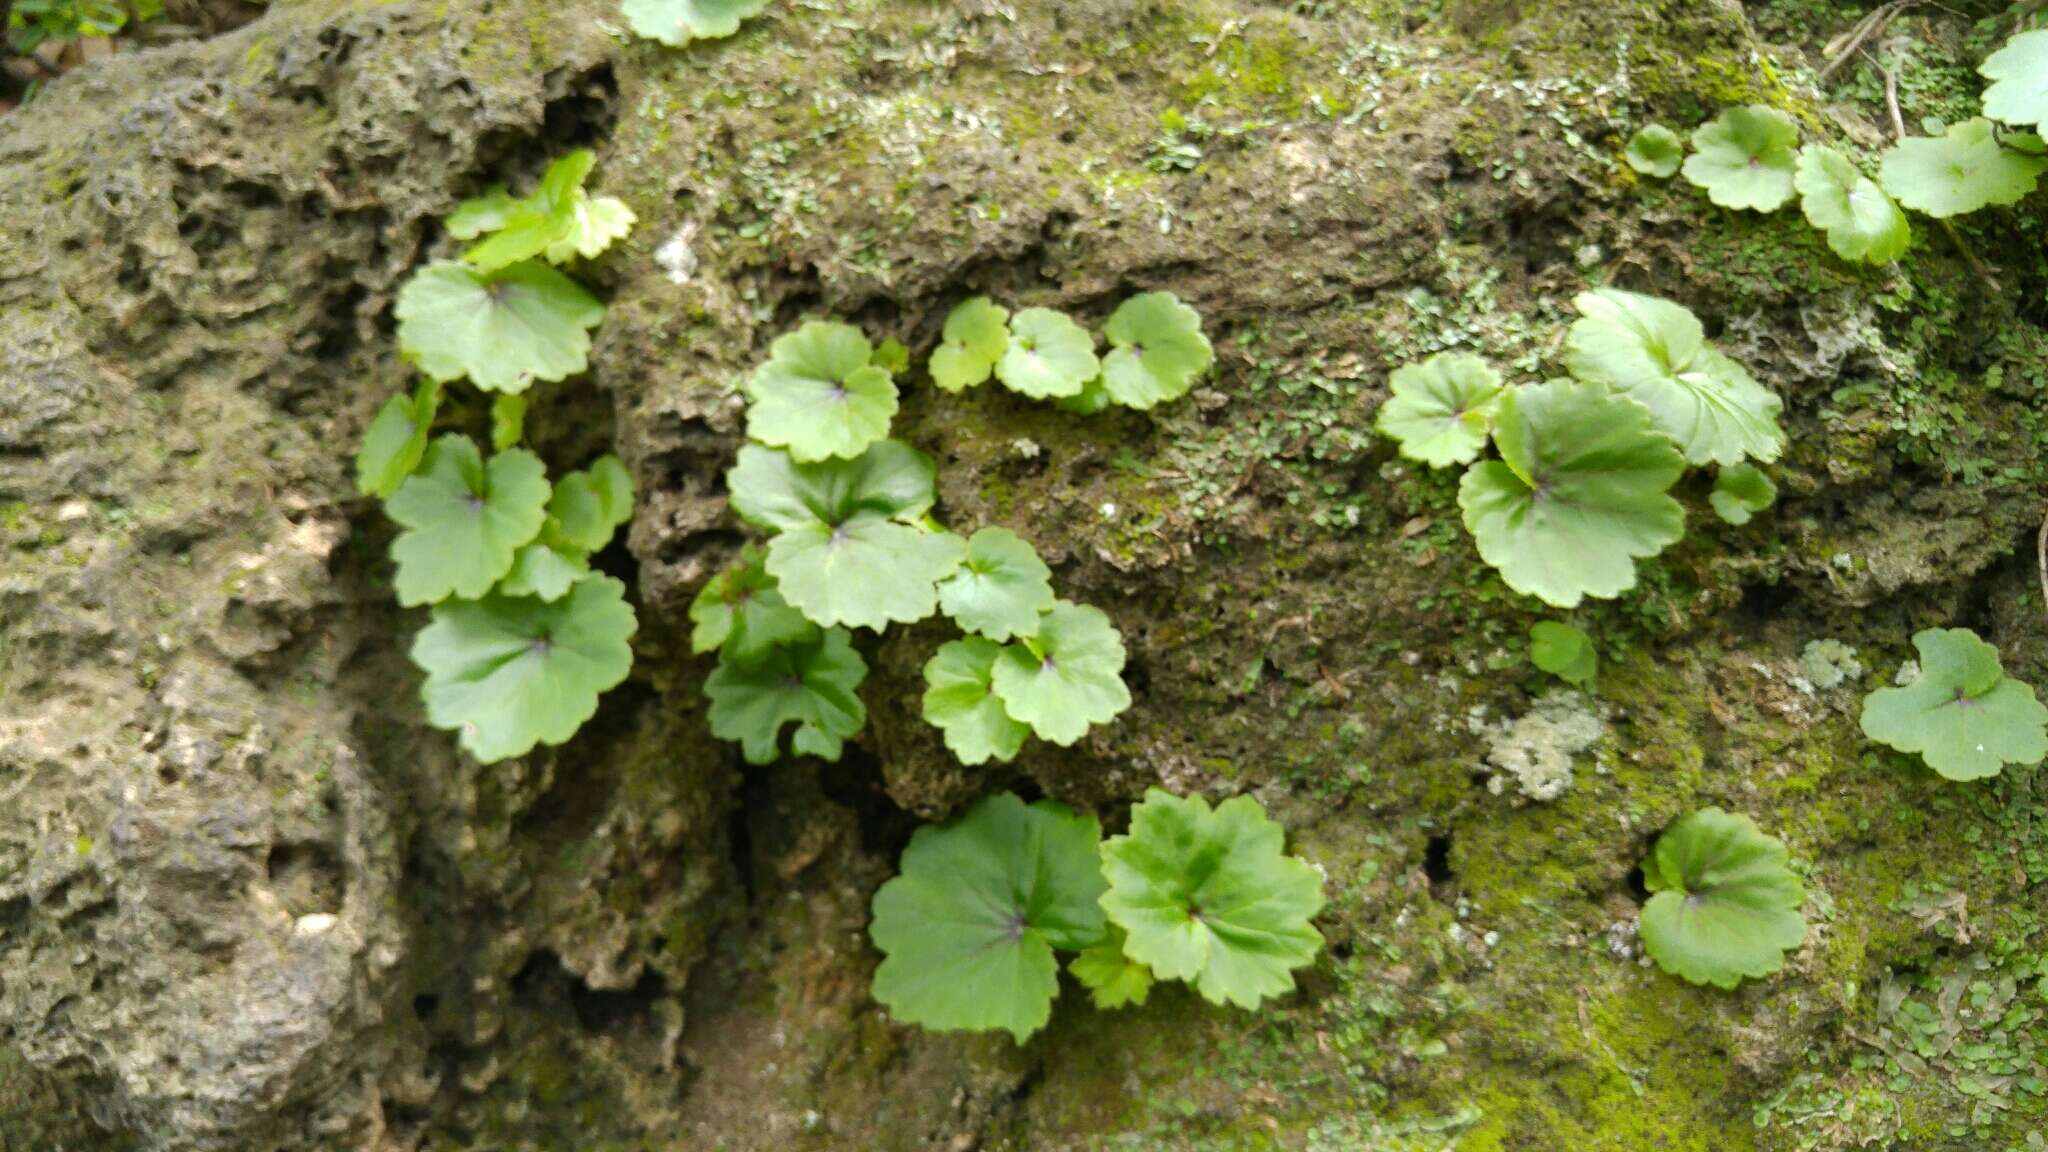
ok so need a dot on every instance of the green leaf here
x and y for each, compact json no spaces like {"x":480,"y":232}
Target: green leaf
{"x":587,"y":507}
{"x":1744,"y":158}
{"x":1049,"y":355}
{"x":976,"y":336}
{"x":1957,"y":173}
{"x":1964,"y":716}
{"x":819,"y":395}
{"x":595,"y":224}
{"x":808,"y":682}
{"x":1741,"y":492}
{"x":1157,"y":349}
{"x":464,"y":520}
{"x":1092,"y":398}
{"x":1725,"y":905}
{"x":677,"y":22}
{"x":1861,"y":221}
{"x":503,"y":330}
{"x":1654,"y":351}
{"x":1067,"y":677}
{"x":968,"y":926}
{"x":847,"y":549}
{"x":2019,"y":74}
{"x":1563,"y":651}
{"x":396,"y":441}
{"x":1211,"y":898}
{"x":510,"y":672}
{"x":742,"y":613}
{"x":960,"y":702}
{"x":1111,"y":977}
{"x":1582,"y":491}
{"x":1001,"y":589}
{"x":1655,"y":151}
{"x":543,"y":571}
{"x":1440,"y":410}
{"x":478,"y":215}
{"x":517,"y":230}
{"x":508,"y":421}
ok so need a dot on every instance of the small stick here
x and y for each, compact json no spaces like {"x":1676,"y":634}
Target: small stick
{"x":1843,"y":48}
{"x":2041,"y":558}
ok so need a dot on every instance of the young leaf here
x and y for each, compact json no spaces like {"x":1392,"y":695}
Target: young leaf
{"x":1725,"y":905}
{"x":1001,"y":589}
{"x":478,"y":215}
{"x":847,"y":550}
{"x":1049,"y":355}
{"x":1582,"y":490}
{"x":511,"y":672}
{"x":1741,"y":492}
{"x":543,"y":571}
{"x":1066,"y":677}
{"x":1210,"y":897}
{"x":809,"y":683}
{"x":976,"y":336}
{"x":1440,"y":409}
{"x":1092,"y":398}
{"x":1655,"y":151}
{"x":2019,"y":74}
{"x":396,"y":441}
{"x":1959,"y":172}
{"x":1964,"y":716}
{"x":1861,"y":221}
{"x":595,"y":224}
{"x":960,"y":703}
{"x":587,"y":507}
{"x":1744,"y":158}
{"x":677,"y":22}
{"x":464,"y":520}
{"x":523,"y":229}
{"x":1654,"y":351}
{"x":1111,"y":977}
{"x":968,"y":926}
{"x":508,"y":421}
{"x":819,"y":395}
{"x":742,"y":613}
{"x":1156,"y":350}
{"x":503,"y":330}
{"x":1563,"y":651}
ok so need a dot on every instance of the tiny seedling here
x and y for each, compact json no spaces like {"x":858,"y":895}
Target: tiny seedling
{"x":1744,"y":158}
{"x":1963,"y":715}
{"x":1740,"y":492}
{"x":741,"y":613}
{"x":559,"y":221}
{"x":396,"y":441}
{"x":1655,"y":151}
{"x":1563,"y":651}
{"x":1724,"y":904}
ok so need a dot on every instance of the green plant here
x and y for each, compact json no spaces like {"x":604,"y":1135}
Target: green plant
{"x":820,"y":395}
{"x":1563,"y":651}
{"x":1209,"y":896}
{"x":1441,"y":410}
{"x":1962,"y":714}
{"x":1744,"y":158}
{"x":560,"y":220}
{"x":1740,"y":492}
{"x":1157,"y":349}
{"x":1655,"y":151}
{"x":1065,"y":677}
{"x":1724,"y":904}
{"x":1112,"y":978}
{"x":741,"y":613}
{"x":465,"y":519}
{"x":809,"y":681}
{"x":34,"y":23}
{"x":678,"y":22}
{"x":396,"y":441}
{"x":503,"y":330}
{"x":1048,"y":355}
{"x":960,"y":701}
{"x":2019,"y":75}
{"x":1002,"y":588}
{"x":1861,"y":222}
{"x":1968,"y":168}
{"x":977,"y":333}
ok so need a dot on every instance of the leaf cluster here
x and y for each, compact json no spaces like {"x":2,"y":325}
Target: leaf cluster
{"x":970,"y":927}
{"x":1157,"y":351}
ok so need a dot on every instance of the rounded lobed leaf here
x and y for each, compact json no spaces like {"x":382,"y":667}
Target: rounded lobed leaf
{"x":1112,"y":978}
{"x":1001,"y":589}
{"x":810,"y":683}
{"x":961,"y":703}
{"x":1964,"y":716}
{"x":502,"y":330}
{"x":742,"y":613}
{"x":865,"y":571}
{"x":1725,"y":906}
{"x":464,"y":520}
{"x":1441,"y":409}
{"x":968,"y":926}
{"x":819,"y":395}
{"x":1655,"y":151}
{"x":1655,"y":352}
{"x":773,"y":491}
{"x":976,"y":336}
{"x":396,"y":441}
{"x":1861,"y":222}
{"x":1563,"y":651}
{"x":1582,"y":491}
{"x":543,"y":571}
{"x":1049,"y":355}
{"x":2019,"y":74}
{"x":1065,"y":678}
{"x":595,"y":224}
{"x":1157,"y":349}
{"x":587,"y":507}
{"x":1211,"y":897}
{"x":1741,"y":492}
{"x":510,"y":672}
{"x":677,"y":22}
{"x":1744,"y":158}
{"x":1959,"y":172}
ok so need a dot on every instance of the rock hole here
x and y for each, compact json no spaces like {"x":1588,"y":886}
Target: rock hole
{"x":1436,"y":866}
{"x":1638,"y":888}
{"x":307,"y":877}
